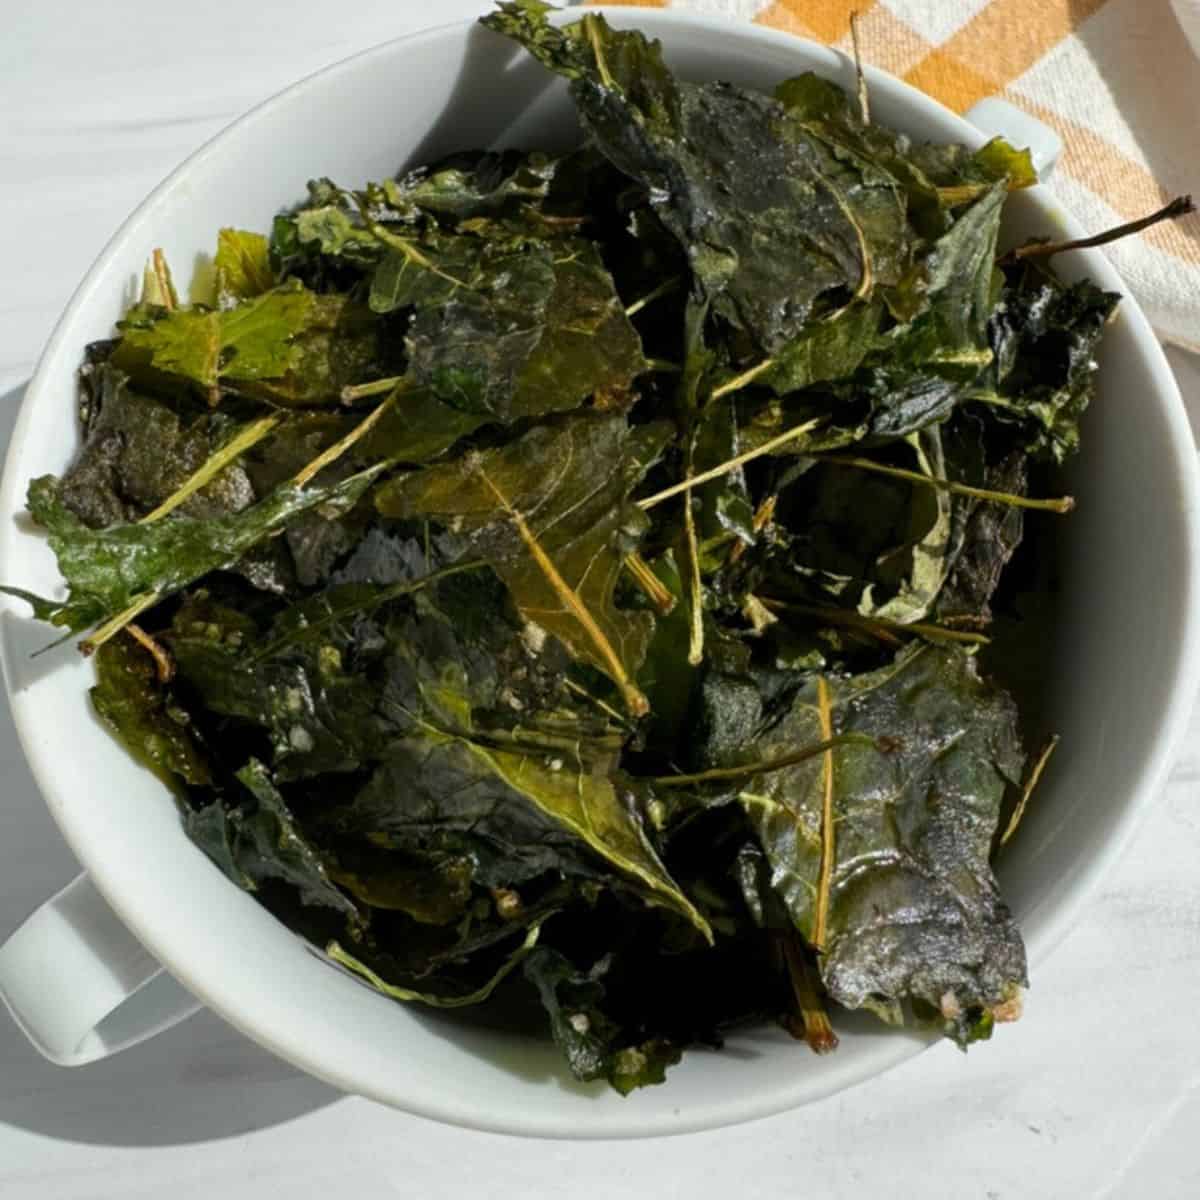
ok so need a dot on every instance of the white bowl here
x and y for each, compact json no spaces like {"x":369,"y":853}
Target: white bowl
{"x":1118,"y":684}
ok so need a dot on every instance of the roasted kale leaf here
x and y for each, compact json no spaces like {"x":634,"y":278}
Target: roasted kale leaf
{"x":914,"y":916}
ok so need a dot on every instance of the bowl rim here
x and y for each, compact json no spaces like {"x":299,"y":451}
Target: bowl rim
{"x":479,"y":1113}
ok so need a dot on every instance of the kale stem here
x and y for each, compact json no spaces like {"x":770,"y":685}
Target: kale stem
{"x":818,"y":1032}
{"x":757,"y":613}
{"x":828,"y":832}
{"x":1034,"y":775}
{"x":115,"y":624}
{"x":656,"y":591}
{"x":1181,"y":206}
{"x":695,"y":589}
{"x":881,"y":627}
{"x":667,"y":286}
{"x":731,"y":464}
{"x":746,"y":377}
{"x":593,"y":35}
{"x":966,"y":621}
{"x":162,"y":276}
{"x":864,"y":106}
{"x":1061,"y":504}
{"x":604,"y":708}
{"x":163,"y":665}
{"x":663,"y":365}
{"x":334,"y":452}
{"x":345,"y":959}
{"x":765,"y":765}
{"x":248,"y":436}
{"x":377,"y":387}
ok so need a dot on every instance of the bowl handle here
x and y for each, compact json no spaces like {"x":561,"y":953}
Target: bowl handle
{"x":80,"y":986}
{"x":1001,"y":119}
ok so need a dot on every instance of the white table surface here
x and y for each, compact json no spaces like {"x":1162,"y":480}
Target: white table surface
{"x":1092,"y":1094}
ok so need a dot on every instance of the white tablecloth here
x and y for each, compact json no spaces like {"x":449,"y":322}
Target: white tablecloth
{"x":1095,"y":1093}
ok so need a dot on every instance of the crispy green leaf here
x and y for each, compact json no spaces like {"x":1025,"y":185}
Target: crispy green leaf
{"x":481,"y":312}
{"x":138,"y":450}
{"x":987,"y":534}
{"x":516,"y":814}
{"x":317,"y":618}
{"x":935,"y":177}
{"x":666,"y":676}
{"x":594,"y":1045}
{"x":260,"y":841}
{"x":130,"y":700}
{"x":569,"y":484}
{"x":418,"y":428}
{"x":998,"y":161}
{"x":288,"y":344}
{"x":318,"y":717}
{"x":931,"y":547}
{"x":824,"y":350}
{"x":471,"y":347}
{"x":588,"y":346}
{"x":107,"y":570}
{"x":469,"y":186}
{"x":915,"y":916}
{"x":242,"y":265}
{"x":960,"y":274}
{"x":255,"y":338}
{"x":1043,"y":337}
{"x":433,"y":889}
{"x":335,"y":232}
{"x":921,"y":369}
{"x":431,"y":272}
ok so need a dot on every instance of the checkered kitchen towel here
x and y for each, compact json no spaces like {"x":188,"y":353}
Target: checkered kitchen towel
{"x":1118,"y":79}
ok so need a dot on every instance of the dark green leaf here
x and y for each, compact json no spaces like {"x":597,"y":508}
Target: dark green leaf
{"x":875,"y":545}
{"x":825,"y":350}
{"x":260,"y":841}
{"x":563,"y":489}
{"x":989,"y":533}
{"x":509,"y":332}
{"x":138,"y":450}
{"x":469,"y":186}
{"x":920,"y":370}
{"x":594,"y":1045}
{"x":108,"y":569}
{"x":935,"y":177}
{"x":1043,"y":337}
{"x":432,"y":889}
{"x":317,"y":716}
{"x":131,"y":701}
{"x":588,"y":346}
{"x":913,"y":909}
{"x":516,"y":814}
